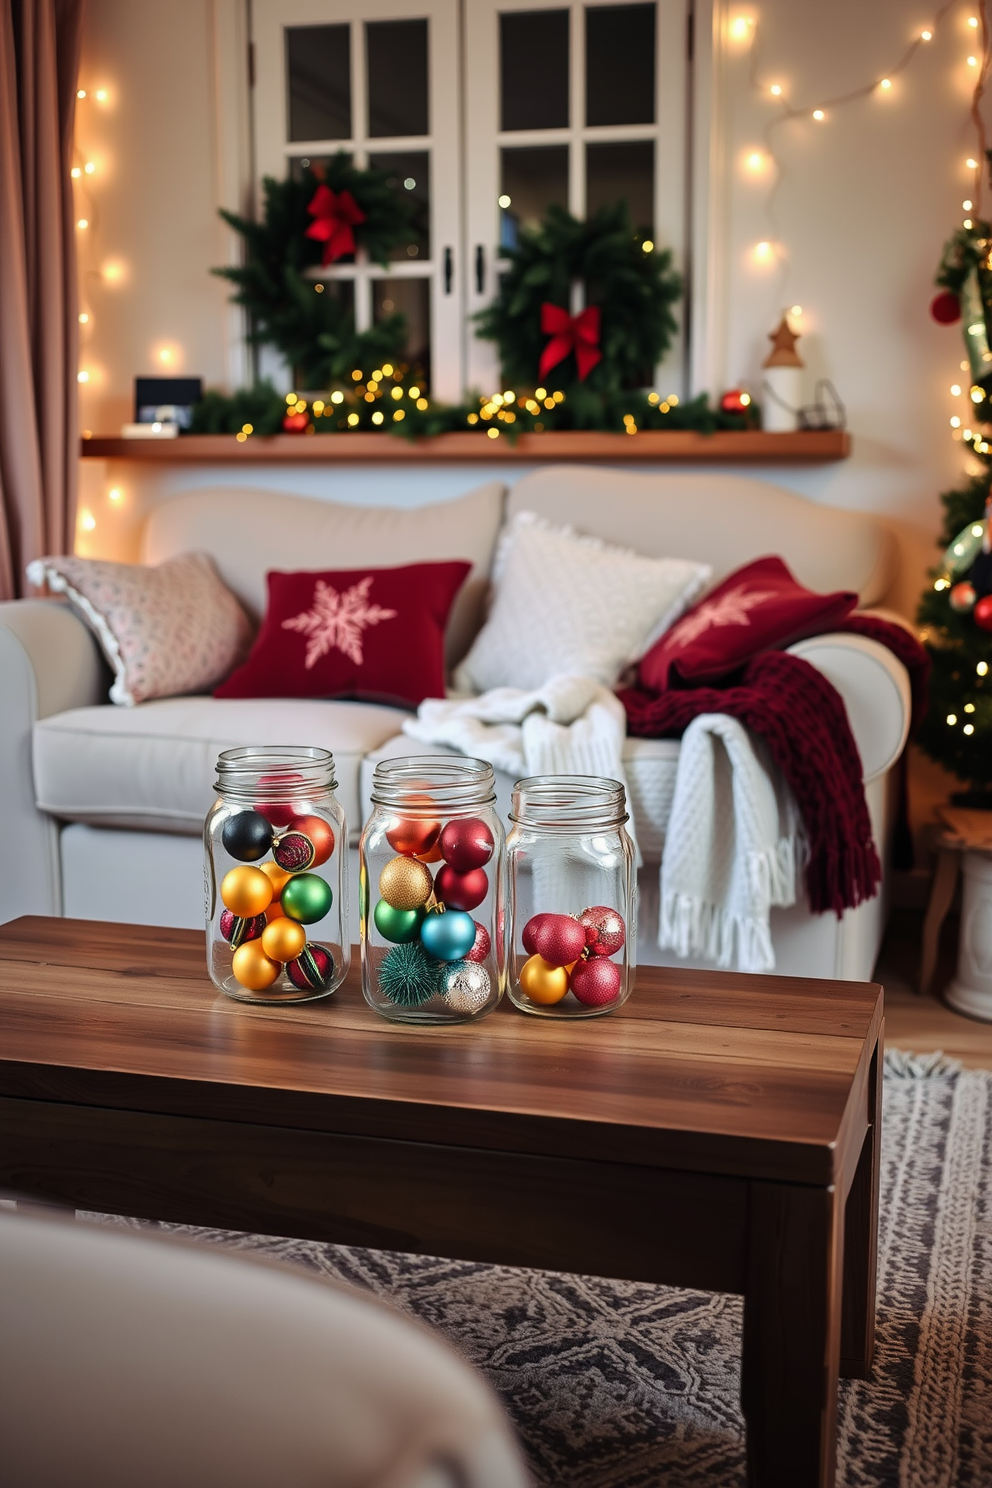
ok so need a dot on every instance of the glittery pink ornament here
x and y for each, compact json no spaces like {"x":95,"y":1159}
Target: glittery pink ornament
{"x":605,"y":932}
{"x":559,"y":938}
{"x":480,"y":950}
{"x":596,"y":982}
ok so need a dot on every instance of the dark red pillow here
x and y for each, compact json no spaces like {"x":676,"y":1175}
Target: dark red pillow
{"x":757,"y":608}
{"x":374,"y":633}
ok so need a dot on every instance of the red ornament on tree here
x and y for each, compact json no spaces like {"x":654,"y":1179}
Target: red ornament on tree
{"x":945,"y":307}
{"x":296,"y":423}
{"x":982,"y":613}
{"x":736,"y":401}
{"x":578,"y":333}
{"x":335,"y":218}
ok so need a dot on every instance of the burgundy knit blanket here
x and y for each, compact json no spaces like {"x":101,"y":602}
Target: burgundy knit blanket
{"x":802,"y":718}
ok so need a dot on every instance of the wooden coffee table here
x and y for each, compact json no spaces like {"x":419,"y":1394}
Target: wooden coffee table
{"x":720,"y":1131}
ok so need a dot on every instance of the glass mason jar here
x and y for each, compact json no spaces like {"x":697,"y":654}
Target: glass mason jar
{"x":274,"y":876}
{"x":431,"y":891}
{"x":572,"y":897}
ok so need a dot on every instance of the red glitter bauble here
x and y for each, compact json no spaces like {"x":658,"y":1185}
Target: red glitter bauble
{"x":736,"y":401}
{"x":605,"y":932}
{"x":461,"y":890}
{"x":236,"y":929}
{"x":295,"y":423}
{"x":320,"y":833}
{"x":466,"y":844}
{"x":596,"y":982}
{"x":530,"y":931}
{"x":412,"y":836}
{"x":312,"y":969}
{"x":945,"y":307}
{"x":560,"y":939}
{"x":982,"y":613}
{"x":294,"y":852}
{"x":480,"y":950}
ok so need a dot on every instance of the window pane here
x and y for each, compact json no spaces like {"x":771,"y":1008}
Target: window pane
{"x":532,"y":178}
{"x":409,"y":172}
{"x":533,"y":69}
{"x":397,"y":73}
{"x":318,"y":76}
{"x":299,"y":163}
{"x":412,"y":297}
{"x":620,"y":52}
{"x":623,"y":171}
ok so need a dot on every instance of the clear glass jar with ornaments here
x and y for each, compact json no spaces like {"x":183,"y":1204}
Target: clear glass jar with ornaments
{"x":275,"y":876}
{"x":571,"y":897}
{"x":431,"y":891}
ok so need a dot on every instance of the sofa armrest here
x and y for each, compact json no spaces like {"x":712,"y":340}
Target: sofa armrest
{"x":49,"y":662}
{"x":875,"y":690}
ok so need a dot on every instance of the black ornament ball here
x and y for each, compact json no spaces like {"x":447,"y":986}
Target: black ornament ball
{"x":247,"y":836}
{"x":980,"y":575}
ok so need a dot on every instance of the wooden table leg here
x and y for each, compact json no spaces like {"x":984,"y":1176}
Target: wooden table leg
{"x":857,"y":1329}
{"x":945,"y":880}
{"x":792,"y":1309}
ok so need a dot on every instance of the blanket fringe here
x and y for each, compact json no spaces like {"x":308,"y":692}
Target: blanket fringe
{"x":904,"y":1065}
{"x":775,"y":876}
{"x":695,"y":928}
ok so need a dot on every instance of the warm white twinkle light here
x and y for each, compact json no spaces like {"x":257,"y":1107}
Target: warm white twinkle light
{"x":648,"y":245}
{"x":926,"y":35}
{"x":955,"y":422}
{"x":740,"y":28}
{"x":776,"y":90}
{"x":755,"y":161}
{"x":83,"y":222}
{"x":955,"y":390}
{"x":796,"y":311}
{"x":818,"y":114}
{"x":76,"y":172}
{"x":982,"y":668}
{"x":87,"y":521}
{"x":115,"y":494}
{"x":967,"y":205}
{"x":968,"y":223}
{"x":100,"y":95}
{"x":972,"y":61}
{"x":504,"y":201}
{"x":885,"y":84}
{"x":952,"y":719}
{"x":83,"y":376}
{"x":84,"y":318}
{"x":89,"y":167}
{"x":971,"y":164}
{"x":973,"y":22}
{"x":763,"y":251}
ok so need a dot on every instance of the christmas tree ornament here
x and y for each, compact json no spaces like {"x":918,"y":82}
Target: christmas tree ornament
{"x":295,"y":423}
{"x":481,"y":946}
{"x":782,"y":381}
{"x":253,"y":968}
{"x":448,"y":936}
{"x":306,"y":898}
{"x":398,"y":925}
{"x":605,"y":932}
{"x":283,"y":939}
{"x":465,"y":987}
{"x":559,"y":939}
{"x":735,"y":401}
{"x":466,"y":843}
{"x":962,"y":552}
{"x":433,"y":855}
{"x":294,"y":852}
{"x":313,"y":968}
{"x":236,"y":929}
{"x":945,"y":308}
{"x":982,"y":613}
{"x":247,"y":836}
{"x":542,"y":983}
{"x":962,"y":597}
{"x":412,"y":836}
{"x":320,"y":833}
{"x":246,"y":891}
{"x":975,"y":325}
{"x":596,"y":982}
{"x":406,"y":884}
{"x":408,"y":976}
{"x":278,"y":878}
{"x":530,"y":931}
{"x":461,"y":890}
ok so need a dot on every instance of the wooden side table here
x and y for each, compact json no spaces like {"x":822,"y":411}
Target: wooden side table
{"x":967,"y":840}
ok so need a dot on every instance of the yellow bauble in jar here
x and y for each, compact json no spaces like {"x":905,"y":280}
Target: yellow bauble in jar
{"x":246,"y":892}
{"x":278,"y":877}
{"x":542,"y":982}
{"x":253,"y":968}
{"x":283,"y":939}
{"x":406,"y":883}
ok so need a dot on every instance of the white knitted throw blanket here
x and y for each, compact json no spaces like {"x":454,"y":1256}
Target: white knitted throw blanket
{"x":734,"y":848}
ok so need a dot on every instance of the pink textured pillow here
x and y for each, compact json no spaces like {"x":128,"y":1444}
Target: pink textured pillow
{"x":170,"y":629}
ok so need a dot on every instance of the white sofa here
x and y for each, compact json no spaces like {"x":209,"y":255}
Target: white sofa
{"x":104,"y":804}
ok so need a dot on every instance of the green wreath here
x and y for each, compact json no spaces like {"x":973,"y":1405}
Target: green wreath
{"x":630,"y":287}
{"x":299,"y":314}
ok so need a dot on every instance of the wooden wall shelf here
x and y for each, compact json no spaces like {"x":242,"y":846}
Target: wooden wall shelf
{"x":745,"y":447}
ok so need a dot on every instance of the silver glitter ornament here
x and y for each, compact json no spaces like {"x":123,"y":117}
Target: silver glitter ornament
{"x":465,"y":986}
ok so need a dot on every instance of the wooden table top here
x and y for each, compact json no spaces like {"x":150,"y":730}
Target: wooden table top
{"x":710,"y":1071}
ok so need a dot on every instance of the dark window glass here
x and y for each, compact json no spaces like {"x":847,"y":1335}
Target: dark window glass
{"x":620,"y":64}
{"x":318,"y":74}
{"x":397,"y":74}
{"x":299,"y":163}
{"x":532,"y":177}
{"x":412,"y":297}
{"x":616,"y":172}
{"x":533,"y":69}
{"x":409,"y":173}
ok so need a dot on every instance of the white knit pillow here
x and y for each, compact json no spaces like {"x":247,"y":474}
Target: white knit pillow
{"x":569,"y":605}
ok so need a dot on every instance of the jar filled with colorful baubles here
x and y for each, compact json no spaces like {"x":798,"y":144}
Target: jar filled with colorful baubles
{"x":275,"y":883}
{"x":431,"y":891}
{"x":571,"y":897}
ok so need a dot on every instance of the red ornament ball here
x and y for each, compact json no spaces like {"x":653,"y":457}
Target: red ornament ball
{"x":605,"y":932}
{"x":236,"y":929}
{"x":312,"y":969}
{"x":962,"y":597}
{"x":736,"y":401}
{"x":982,"y":613}
{"x":294,"y":852}
{"x":279,"y":813}
{"x":296,"y":423}
{"x":596,"y":982}
{"x":558,"y":938}
{"x":945,"y":307}
{"x":466,"y":844}
{"x":412,"y":836}
{"x":529,"y":933}
{"x":461,"y":890}
{"x":320,"y":833}
{"x":480,"y":950}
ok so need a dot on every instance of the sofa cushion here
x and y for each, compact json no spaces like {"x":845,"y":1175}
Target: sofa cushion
{"x":153,"y":767}
{"x":248,"y":532}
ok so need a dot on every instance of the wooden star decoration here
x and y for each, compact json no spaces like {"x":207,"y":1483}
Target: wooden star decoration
{"x":783,"y":352}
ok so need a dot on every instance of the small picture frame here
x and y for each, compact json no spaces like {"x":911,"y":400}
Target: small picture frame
{"x":166,"y":400}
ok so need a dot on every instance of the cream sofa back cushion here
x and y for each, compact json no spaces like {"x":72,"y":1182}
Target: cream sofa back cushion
{"x":247,"y":532}
{"x":722,"y":520}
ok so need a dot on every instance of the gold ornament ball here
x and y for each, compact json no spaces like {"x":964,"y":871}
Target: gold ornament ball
{"x":283,"y":939}
{"x":543,"y":982}
{"x":246,"y":891}
{"x":278,"y":877}
{"x":253,"y":968}
{"x":405,"y":883}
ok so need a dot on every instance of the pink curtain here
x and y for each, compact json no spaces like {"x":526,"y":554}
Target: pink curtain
{"x":39,"y":59}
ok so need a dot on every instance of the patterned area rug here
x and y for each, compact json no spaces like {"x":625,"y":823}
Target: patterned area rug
{"x":621,"y":1385}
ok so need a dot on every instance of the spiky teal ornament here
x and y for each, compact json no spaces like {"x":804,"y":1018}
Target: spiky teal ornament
{"x":409,"y":976}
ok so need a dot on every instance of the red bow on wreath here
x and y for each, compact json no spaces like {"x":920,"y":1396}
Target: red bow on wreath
{"x":334,"y":219}
{"x":578,"y":333}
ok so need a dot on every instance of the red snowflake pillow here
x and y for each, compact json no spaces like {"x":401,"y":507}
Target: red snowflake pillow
{"x":757,"y":608}
{"x":375,"y":634}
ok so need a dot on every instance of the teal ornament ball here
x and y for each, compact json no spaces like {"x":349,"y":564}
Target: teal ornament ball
{"x":306,"y":898}
{"x":398,"y":925}
{"x":964,"y":549}
{"x":408,"y":976}
{"x":448,"y":936}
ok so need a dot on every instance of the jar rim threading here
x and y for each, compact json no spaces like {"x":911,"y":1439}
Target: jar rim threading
{"x":270,"y":772}
{"x":569,"y":803}
{"x":447,"y":783}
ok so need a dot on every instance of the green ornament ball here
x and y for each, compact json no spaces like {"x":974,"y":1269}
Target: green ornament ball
{"x":398,"y":925}
{"x":408,"y":976}
{"x":306,"y":898}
